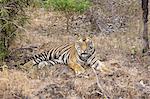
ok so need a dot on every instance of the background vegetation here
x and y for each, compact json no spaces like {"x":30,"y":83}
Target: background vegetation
{"x":28,"y":28}
{"x":12,"y":18}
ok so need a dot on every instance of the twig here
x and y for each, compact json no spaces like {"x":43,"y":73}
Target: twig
{"x":20,"y":27}
{"x":100,"y":85}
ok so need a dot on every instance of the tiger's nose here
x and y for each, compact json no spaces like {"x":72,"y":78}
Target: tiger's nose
{"x":82,"y":51}
{"x":84,"y":39}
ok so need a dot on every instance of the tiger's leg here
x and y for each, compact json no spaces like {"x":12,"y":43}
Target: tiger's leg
{"x":78,"y":69}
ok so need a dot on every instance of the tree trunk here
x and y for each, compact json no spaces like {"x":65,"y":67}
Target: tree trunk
{"x":145,"y":26}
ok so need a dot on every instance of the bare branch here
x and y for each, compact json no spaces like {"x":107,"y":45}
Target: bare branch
{"x":105,"y":93}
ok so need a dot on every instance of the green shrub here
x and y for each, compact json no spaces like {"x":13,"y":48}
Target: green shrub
{"x":12,"y":17}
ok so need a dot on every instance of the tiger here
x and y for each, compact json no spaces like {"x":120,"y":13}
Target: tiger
{"x":77,"y":55}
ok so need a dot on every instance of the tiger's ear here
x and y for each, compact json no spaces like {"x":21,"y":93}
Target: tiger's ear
{"x":91,"y":35}
{"x":76,"y":35}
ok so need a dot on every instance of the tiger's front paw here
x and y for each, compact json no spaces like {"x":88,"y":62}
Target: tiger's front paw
{"x":79,"y":70}
{"x":104,"y":69}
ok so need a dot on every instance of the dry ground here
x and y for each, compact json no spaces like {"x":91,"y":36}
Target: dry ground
{"x":130,"y":78}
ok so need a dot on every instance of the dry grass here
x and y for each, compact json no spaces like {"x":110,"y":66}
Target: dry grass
{"x":14,"y":84}
{"x":129,"y":80}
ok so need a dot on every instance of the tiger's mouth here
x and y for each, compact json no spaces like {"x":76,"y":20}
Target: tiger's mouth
{"x":84,"y":55}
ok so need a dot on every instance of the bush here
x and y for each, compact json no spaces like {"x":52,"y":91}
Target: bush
{"x":12,"y":17}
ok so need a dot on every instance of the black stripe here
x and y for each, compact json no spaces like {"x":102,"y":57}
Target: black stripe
{"x":55,"y":57}
{"x":55,"y":62}
{"x":67,"y":60}
{"x":63,"y":56}
{"x":61,"y":51}
{"x":36,"y":56}
{"x":36,"y":59}
{"x":44,"y":55}
{"x":64,"y":51}
{"x":57,"y":48}
{"x":64,"y":47}
{"x":93,"y":52}
{"x":50,"y":54}
{"x":41,"y":57}
{"x":94,"y":62}
{"x":50,"y":62}
{"x":92,"y":59}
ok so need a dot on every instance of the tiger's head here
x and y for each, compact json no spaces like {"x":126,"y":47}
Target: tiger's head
{"x":84,"y":46}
